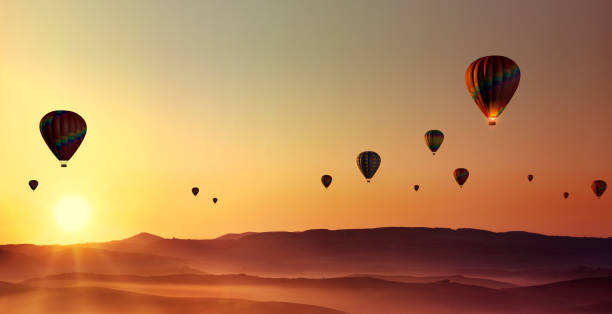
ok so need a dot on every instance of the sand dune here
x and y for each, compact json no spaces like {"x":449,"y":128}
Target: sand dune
{"x":93,"y":300}
{"x":358,"y":295}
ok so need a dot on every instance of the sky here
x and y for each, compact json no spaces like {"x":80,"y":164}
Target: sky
{"x":252,"y":101}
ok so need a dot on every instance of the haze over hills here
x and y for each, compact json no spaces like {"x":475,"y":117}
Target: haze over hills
{"x":171,"y":268}
{"x":517,"y":257}
{"x":420,"y":251}
{"x":360,"y":295}
{"x":18,"y":262}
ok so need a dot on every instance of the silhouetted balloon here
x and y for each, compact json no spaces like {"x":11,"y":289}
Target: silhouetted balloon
{"x":434,"y":139}
{"x":599,"y":187}
{"x":416,"y":187}
{"x":461,"y":175}
{"x":33,"y":184}
{"x":530,"y":177}
{"x":368,"y":162}
{"x":492,"y":81}
{"x":326,"y":180}
{"x":565,"y":195}
{"x":63,"y":131}
{"x":195,"y":191}
{"x":215,"y":200}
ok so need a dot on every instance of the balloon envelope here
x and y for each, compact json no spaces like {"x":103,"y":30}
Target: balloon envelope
{"x":565,"y":194}
{"x":195,"y":191}
{"x":368,"y":162}
{"x":63,"y":131}
{"x":416,"y":187}
{"x":214,"y":200}
{"x":530,"y":177}
{"x":326,"y":180}
{"x":33,"y":184}
{"x":599,"y":187}
{"x":461,"y":175}
{"x":492,"y":81}
{"x":434,"y":139}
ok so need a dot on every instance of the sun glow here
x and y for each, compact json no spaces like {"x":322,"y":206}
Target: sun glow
{"x":72,"y":213}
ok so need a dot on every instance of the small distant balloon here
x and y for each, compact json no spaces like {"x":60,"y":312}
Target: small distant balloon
{"x":530,"y":177}
{"x":492,"y":81}
{"x":63,"y":131}
{"x":434,"y":139}
{"x":195,"y":191}
{"x":33,"y":184}
{"x":461,"y":175}
{"x":565,"y":195}
{"x":368,"y":162}
{"x":416,"y":187}
{"x":214,"y":200}
{"x":599,"y":187}
{"x":326,"y":180}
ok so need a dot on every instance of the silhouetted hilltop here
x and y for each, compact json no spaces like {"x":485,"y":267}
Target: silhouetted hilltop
{"x":488,"y":283}
{"x":234,"y":236}
{"x":142,"y":238}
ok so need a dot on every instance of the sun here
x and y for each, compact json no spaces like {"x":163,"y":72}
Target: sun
{"x":72,"y":213}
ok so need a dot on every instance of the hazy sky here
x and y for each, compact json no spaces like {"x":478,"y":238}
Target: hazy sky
{"x":253,"y":101}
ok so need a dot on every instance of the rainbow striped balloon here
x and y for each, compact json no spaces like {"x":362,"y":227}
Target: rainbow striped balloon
{"x":461,"y":175}
{"x":492,"y":81}
{"x":434,"y":139}
{"x":63,"y":131}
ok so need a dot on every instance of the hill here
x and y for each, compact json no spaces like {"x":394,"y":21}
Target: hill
{"x":361,"y":295}
{"x":430,"y":251}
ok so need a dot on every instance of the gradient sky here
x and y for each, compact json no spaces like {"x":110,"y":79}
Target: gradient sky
{"x":253,"y":101}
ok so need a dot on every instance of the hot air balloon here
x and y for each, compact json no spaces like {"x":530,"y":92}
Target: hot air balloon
{"x":326,"y":180}
{"x":63,"y":131}
{"x":461,"y":175}
{"x":33,"y":184}
{"x":492,"y":81}
{"x":530,"y":177}
{"x":195,"y":191}
{"x":368,"y":162}
{"x":416,"y":187}
{"x":599,"y":187}
{"x":434,"y":139}
{"x":215,"y":200}
{"x":565,"y":195}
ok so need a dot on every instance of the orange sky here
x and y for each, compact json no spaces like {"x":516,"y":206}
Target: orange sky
{"x":254,"y":101}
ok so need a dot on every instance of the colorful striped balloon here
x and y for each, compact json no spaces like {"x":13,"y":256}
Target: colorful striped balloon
{"x":434,"y":139}
{"x":368,"y":163}
{"x":599,"y":187}
{"x":63,"y":131}
{"x":461,"y":175}
{"x":492,"y":81}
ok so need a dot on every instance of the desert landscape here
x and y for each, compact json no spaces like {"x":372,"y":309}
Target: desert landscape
{"x":305,"y":157}
{"x":360,"y":271}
